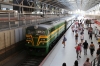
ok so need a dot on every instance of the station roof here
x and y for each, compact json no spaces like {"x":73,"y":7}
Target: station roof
{"x":67,"y":4}
{"x":73,"y":4}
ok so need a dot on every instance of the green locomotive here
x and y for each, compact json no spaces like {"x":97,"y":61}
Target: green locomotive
{"x":40,"y":37}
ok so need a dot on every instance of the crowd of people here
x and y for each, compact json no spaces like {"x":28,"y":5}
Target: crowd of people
{"x":78,"y":28}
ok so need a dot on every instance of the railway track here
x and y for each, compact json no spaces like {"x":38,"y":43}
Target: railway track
{"x":22,"y":59}
{"x":31,"y":61}
{"x":35,"y":61}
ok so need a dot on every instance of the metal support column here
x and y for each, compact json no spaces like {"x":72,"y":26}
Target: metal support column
{"x":35,"y":5}
{"x":9,"y":20}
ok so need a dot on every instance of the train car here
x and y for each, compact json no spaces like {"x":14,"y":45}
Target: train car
{"x":39,"y":38}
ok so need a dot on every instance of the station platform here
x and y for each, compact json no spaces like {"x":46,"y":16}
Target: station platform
{"x":59,"y":55}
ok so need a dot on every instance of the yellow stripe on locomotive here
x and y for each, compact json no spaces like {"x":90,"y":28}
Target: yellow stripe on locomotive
{"x":44,"y":37}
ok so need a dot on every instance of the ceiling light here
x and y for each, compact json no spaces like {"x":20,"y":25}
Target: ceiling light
{"x":71,"y":0}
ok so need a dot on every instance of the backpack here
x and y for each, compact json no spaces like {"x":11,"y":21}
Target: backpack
{"x":91,"y":46}
{"x":78,"y":48}
{"x":76,"y":35}
{"x":65,"y":39}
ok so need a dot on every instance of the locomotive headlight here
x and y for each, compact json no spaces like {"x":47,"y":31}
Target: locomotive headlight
{"x":43,"y":39}
{"x":28,"y":42}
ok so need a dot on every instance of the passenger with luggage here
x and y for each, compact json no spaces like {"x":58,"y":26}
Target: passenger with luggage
{"x":92,"y":48}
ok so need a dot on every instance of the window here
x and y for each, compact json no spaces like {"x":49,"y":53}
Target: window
{"x":40,"y":32}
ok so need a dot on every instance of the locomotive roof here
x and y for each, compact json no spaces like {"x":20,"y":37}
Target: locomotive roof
{"x":46,"y":26}
{"x":50,"y":24}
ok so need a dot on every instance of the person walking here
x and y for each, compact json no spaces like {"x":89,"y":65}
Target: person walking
{"x":73,"y":28}
{"x":64,"y":64}
{"x":76,"y":63}
{"x":96,"y":30}
{"x":63,"y":42}
{"x":98,"y":51}
{"x":99,"y":40}
{"x":76,"y":37}
{"x":76,"y":29}
{"x":90,"y":34}
{"x":82,"y":30}
{"x":85,"y":47}
{"x":87,"y":63}
{"x":78,"y":50}
{"x":98,"y":59}
{"x":81,"y":38}
{"x":92,"y":48}
{"x":80,"y":44}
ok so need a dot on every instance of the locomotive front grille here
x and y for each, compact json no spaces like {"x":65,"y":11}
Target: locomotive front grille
{"x":35,"y":41}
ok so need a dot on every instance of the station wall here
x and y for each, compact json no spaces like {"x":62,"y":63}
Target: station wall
{"x":11,"y":41}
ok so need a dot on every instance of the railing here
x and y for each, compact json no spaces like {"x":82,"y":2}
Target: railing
{"x":9,"y":21}
{"x":95,"y":62}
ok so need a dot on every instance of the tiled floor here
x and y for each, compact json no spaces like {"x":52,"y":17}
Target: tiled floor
{"x":68,"y":54}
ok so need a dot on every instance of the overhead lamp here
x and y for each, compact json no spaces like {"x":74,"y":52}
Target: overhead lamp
{"x":71,"y":0}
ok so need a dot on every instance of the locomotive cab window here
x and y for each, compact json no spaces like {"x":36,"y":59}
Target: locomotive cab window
{"x":30,"y":32}
{"x":52,"y":29}
{"x":40,"y":32}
